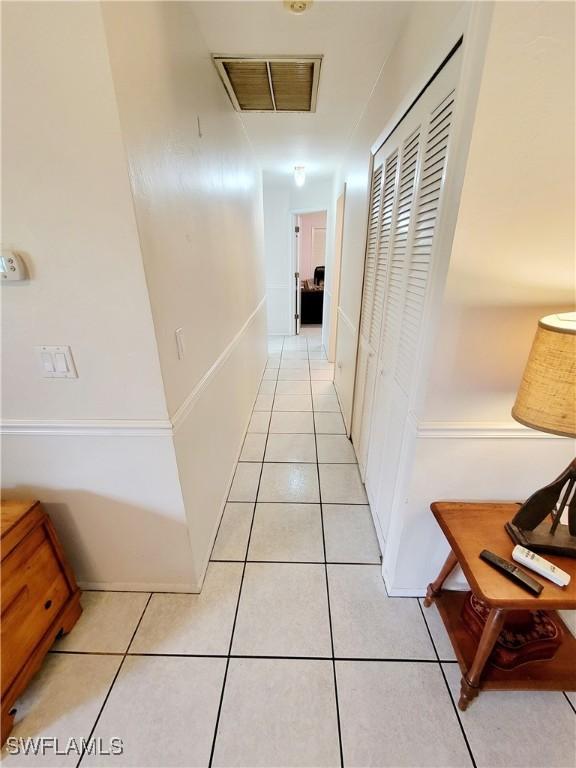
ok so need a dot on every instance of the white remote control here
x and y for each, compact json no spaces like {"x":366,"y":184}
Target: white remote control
{"x":540,"y":565}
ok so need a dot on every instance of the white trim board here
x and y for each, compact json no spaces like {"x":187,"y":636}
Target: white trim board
{"x":347,"y":320}
{"x":92,"y":427}
{"x":404,"y":592}
{"x":124,"y":427}
{"x":182,"y":412}
{"x":477,"y":430}
{"x":120,"y":586}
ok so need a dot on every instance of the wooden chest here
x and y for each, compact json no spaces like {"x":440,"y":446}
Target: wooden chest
{"x":40,"y":600}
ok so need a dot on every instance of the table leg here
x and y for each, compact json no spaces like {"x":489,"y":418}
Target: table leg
{"x":470,"y":684}
{"x":435,"y":587}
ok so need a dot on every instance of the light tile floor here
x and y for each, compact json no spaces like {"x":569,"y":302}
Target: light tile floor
{"x":293,"y":654}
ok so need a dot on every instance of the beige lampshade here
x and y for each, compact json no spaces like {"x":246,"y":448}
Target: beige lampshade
{"x":546,"y":399}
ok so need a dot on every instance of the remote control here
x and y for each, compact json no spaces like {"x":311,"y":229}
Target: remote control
{"x":540,"y":565}
{"x":512,"y":572}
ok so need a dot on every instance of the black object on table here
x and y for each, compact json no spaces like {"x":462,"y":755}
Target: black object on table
{"x":512,"y":572}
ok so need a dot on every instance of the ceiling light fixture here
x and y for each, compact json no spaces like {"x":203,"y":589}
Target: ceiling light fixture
{"x":299,"y":175}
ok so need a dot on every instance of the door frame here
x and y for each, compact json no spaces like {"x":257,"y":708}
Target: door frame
{"x":295,"y":266}
{"x":336,"y":274}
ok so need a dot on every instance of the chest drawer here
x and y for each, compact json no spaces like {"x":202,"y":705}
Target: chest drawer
{"x":34,"y":590}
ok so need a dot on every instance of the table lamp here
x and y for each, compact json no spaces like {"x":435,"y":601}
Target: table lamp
{"x":546,"y":401}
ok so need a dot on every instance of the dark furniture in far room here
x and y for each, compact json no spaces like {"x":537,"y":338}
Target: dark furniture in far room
{"x":311,"y":303}
{"x":470,"y":528}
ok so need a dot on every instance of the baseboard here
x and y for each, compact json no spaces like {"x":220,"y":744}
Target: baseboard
{"x":121,"y":586}
{"x":403,"y":592}
{"x":456,"y":582}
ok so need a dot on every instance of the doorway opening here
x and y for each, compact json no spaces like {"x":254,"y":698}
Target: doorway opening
{"x":309,"y":264}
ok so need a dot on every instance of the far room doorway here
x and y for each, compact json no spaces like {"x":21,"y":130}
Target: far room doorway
{"x":310,"y":257}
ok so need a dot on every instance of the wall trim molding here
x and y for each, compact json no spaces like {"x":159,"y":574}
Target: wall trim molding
{"x":346,"y":319}
{"x":128,"y":427}
{"x":181,"y":414}
{"x":479,"y":430}
{"x":148,"y":586}
{"x":93,"y":427}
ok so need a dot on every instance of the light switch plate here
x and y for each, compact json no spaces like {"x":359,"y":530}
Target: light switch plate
{"x":56,"y":362}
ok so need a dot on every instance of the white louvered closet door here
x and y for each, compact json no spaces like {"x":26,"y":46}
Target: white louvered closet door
{"x":421,"y":144}
{"x":366,"y":354}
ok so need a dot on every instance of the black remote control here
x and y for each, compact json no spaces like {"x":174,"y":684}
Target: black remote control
{"x":512,"y":572}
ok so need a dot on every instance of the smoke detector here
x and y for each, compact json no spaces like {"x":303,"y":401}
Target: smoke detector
{"x":297,"y":6}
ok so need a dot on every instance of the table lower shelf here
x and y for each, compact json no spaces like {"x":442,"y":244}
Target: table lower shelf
{"x":557,"y":674}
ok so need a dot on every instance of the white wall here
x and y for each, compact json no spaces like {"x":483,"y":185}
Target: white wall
{"x":426,"y":39}
{"x":198,"y":202}
{"x":95,"y":448}
{"x":282,"y":198}
{"x":512,"y":261}
{"x":197,"y":199}
{"x":513,"y":255}
{"x":464,"y":462}
{"x":115,"y":500}
{"x":133,"y":226}
{"x":67,"y":205}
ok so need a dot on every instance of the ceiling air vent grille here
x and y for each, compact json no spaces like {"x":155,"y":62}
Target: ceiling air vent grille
{"x":270,"y":84}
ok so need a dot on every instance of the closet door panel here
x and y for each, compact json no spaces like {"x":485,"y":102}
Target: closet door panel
{"x":369,"y":341}
{"x":371,"y":252}
{"x":424,"y":149}
{"x":433,"y":166}
{"x":389,"y":204}
{"x":365,"y":354}
{"x":390,"y":323}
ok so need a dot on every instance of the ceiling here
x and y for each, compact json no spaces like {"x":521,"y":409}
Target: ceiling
{"x":355,"y":39}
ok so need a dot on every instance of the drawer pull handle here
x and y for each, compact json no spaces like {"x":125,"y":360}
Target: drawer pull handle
{"x":48,"y":604}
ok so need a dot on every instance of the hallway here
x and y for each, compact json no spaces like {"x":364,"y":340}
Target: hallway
{"x":293,"y":654}
{"x":186,"y":185}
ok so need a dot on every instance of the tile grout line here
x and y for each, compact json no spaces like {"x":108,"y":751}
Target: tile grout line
{"x":569,"y":702}
{"x":383,"y":660}
{"x":294,"y":562}
{"x":124,"y":655}
{"x":454,"y":707}
{"x":287,"y":461}
{"x":224,"y":679}
{"x":327,"y":504}
{"x":326,"y":577}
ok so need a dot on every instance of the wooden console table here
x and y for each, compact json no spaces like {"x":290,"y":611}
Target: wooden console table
{"x":470,"y":528}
